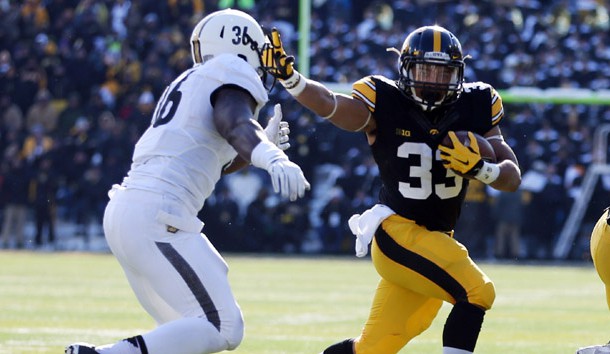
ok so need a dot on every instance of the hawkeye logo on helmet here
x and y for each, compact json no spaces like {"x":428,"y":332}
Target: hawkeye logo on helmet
{"x":436,"y":55}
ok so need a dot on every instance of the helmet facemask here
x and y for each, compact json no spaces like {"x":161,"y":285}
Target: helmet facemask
{"x":432,"y":83}
{"x":431,"y":67}
{"x":268,"y":80}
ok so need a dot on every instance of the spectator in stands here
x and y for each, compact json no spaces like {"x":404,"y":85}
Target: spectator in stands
{"x":30,"y":83}
{"x":258,"y":223}
{"x":119,"y":13}
{"x":547,"y":137}
{"x":11,"y":118}
{"x":34,"y":17}
{"x":281,"y":14}
{"x":37,"y":144}
{"x":68,"y":116}
{"x":43,"y":113}
{"x":115,"y":146}
{"x":545,"y":200}
{"x":507,"y":212}
{"x":289,"y":217}
{"x":140,"y":116}
{"x":42,"y":191}
{"x":90,"y":199}
{"x":334,"y":215}
{"x":184,"y":11}
{"x":246,"y":184}
{"x":223,"y":223}
{"x":14,"y":191}
{"x":362,"y":200}
{"x":8,"y":73}
{"x":244,"y":5}
{"x":475,"y":225}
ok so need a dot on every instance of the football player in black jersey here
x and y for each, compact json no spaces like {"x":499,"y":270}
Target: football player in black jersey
{"x":420,"y":263}
{"x":600,"y":253}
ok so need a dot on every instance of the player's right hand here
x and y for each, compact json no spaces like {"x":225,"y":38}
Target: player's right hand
{"x":277,"y":130}
{"x":464,"y":160}
{"x":287,"y":178}
{"x":275,"y":60}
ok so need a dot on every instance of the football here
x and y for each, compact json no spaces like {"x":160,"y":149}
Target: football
{"x":485,"y":148}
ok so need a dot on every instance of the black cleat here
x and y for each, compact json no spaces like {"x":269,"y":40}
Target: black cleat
{"x":81,"y":348}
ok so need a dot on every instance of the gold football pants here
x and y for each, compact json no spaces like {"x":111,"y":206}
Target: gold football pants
{"x":419,"y":270}
{"x":600,"y":251}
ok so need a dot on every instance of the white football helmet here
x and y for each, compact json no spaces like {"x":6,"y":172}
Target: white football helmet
{"x":229,"y":31}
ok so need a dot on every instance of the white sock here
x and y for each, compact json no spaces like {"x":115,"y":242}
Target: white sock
{"x":447,"y":350}
{"x":191,"y":335}
{"x":122,"y":347}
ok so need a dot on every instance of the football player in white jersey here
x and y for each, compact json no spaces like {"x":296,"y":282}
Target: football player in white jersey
{"x":204,"y":125}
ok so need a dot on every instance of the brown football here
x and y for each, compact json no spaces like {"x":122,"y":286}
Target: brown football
{"x":485,"y":148}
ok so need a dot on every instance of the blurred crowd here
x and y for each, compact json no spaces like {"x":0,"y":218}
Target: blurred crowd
{"x":80,"y":78}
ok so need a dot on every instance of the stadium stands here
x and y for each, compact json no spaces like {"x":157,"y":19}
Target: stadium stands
{"x":79,"y":78}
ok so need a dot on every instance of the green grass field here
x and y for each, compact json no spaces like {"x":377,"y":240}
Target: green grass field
{"x":291,"y":305}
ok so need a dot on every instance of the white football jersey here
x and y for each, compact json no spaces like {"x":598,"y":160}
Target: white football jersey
{"x":182,"y":153}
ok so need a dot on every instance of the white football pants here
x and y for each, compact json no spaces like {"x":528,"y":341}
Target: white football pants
{"x":179,"y":278}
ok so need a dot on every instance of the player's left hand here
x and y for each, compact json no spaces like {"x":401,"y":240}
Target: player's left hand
{"x":287,"y":178}
{"x":464,"y":160}
{"x":275,"y":60}
{"x":277,"y":130}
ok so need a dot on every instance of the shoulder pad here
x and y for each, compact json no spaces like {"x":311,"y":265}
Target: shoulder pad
{"x":365,"y":90}
{"x":497,"y":109}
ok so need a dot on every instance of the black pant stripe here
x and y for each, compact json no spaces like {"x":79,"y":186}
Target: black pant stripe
{"x":419,"y":264}
{"x":142,"y":345}
{"x":192,"y":281}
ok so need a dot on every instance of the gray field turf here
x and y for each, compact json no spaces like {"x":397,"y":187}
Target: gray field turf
{"x":291,"y":304}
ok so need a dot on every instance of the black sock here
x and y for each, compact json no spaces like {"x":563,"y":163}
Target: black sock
{"x":463,"y":326}
{"x":344,"y":347}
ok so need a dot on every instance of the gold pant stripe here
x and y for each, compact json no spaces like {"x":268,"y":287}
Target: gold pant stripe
{"x":419,"y":264}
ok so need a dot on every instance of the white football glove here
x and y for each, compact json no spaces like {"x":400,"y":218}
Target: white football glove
{"x":277,"y":130}
{"x":288,"y":178}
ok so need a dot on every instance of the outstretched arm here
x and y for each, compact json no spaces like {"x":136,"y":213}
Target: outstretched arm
{"x":342,"y":110}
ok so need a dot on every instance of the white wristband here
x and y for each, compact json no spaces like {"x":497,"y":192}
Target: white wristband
{"x":488,"y":173}
{"x":295,"y":84}
{"x":265,"y":153}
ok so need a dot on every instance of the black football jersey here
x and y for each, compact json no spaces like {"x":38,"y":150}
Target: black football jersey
{"x":415,"y":184}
